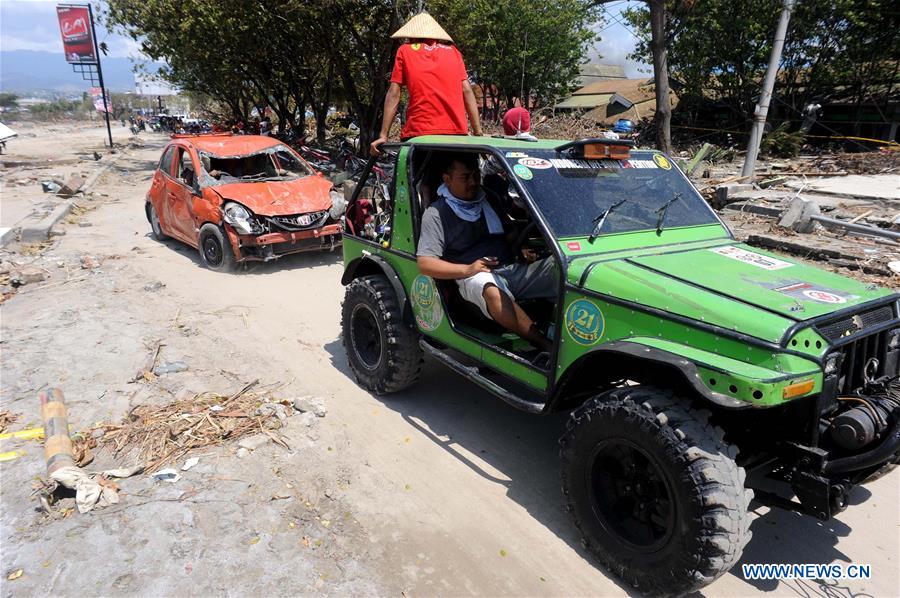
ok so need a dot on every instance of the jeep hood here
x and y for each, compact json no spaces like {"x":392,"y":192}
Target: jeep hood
{"x":280,"y":198}
{"x":733,"y":286}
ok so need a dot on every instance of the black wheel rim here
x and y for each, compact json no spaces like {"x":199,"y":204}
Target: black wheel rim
{"x":365,"y":336}
{"x":630,"y":495}
{"x":212,"y":251}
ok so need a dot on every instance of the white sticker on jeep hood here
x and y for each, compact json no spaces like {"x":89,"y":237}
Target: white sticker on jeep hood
{"x":748,"y":257}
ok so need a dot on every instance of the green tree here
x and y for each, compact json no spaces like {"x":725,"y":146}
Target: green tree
{"x":529,"y":50}
{"x":9,"y":101}
{"x":720,"y":50}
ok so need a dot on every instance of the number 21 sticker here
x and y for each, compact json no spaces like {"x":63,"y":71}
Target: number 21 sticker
{"x":584,"y":322}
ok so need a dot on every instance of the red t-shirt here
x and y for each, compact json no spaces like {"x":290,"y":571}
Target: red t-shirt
{"x":433,"y":76}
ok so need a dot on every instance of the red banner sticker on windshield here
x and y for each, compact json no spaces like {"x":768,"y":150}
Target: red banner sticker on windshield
{"x":535,"y":163}
{"x":574,"y":246}
{"x":749,"y":257}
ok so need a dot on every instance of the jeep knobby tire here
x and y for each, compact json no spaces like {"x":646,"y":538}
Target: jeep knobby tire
{"x":383,"y":352}
{"x":655,"y":490}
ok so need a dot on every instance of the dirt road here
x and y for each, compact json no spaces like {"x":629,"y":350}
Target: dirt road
{"x":440,"y":490}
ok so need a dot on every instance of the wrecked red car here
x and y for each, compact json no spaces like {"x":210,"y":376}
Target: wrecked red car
{"x":241,"y":198}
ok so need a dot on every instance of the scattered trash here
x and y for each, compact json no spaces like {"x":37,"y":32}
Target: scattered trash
{"x":7,"y":418}
{"x":89,"y":263}
{"x":190,"y":463}
{"x":310,"y":404}
{"x":154,"y":286}
{"x":163,"y":434}
{"x":146,"y":372}
{"x":242,"y":452}
{"x":29,"y":434}
{"x":216,"y":408}
{"x":166,"y":475}
{"x":50,"y":186}
{"x":81,"y":449}
{"x":92,"y":490}
{"x":15,"y":575}
{"x":894,"y":266}
{"x":9,"y":456}
{"x":170,"y":367}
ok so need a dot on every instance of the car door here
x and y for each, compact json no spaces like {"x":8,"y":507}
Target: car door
{"x":159,"y":189}
{"x":180,"y":195}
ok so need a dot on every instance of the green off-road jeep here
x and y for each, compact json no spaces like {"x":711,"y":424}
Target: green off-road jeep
{"x":695,"y":368}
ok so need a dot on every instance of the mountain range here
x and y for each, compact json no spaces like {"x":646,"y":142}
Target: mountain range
{"x":24,"y":71}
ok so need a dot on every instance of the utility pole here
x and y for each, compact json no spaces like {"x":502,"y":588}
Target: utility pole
{"x":762,"y":108}
{"x":100,"y":78}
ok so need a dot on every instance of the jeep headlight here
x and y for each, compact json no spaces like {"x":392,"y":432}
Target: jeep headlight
{"x":239,"y":217}
{"x":833,"y":363}
{"x":338,"y":206}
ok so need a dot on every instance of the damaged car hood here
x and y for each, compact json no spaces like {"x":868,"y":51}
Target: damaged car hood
{"x":280,"y":198}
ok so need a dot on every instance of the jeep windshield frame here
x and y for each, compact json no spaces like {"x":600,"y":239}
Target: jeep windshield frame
{"x":571,"y":192}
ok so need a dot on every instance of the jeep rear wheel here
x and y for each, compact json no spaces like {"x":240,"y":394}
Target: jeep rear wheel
{"x":383,"y":352}
{"x":655,"y":490}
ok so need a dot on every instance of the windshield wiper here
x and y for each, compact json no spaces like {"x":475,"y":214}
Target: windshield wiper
{"x":601,"y":219}
{"x":662,"y":211}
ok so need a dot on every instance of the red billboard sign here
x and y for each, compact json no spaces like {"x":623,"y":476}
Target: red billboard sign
{"x":77,"y":33}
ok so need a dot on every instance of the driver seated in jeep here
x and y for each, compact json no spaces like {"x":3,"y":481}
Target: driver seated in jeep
{"x":464,"y":238}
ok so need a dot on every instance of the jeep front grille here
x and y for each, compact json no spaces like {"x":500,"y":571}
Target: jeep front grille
{"x":859,"y":355}
{"x":848,"y":325}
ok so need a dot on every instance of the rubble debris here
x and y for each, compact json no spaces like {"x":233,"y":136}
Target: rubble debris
{"x":251,"y":443}
{"x":146,"y":371}
{"x":313,"y":405}
{"x":27,"y":275}
{"x":89,"y":262}
{"x":58,"y":450}
{"x":72,"y":186}
{"x":166,"y":475}
{"x":154,"y":286}
{"x":799,"y":215}
{"x":52,"y":186}
{"x":170,"y":367}
{"x":164,"y":434}
{"x":190,"y":463}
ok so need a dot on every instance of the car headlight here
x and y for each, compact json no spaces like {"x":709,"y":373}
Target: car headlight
{"x":338,"y":205}
{"x":240,"y":218}
{"x":833,"y":363}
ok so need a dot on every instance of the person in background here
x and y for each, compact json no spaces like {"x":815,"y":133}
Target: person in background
{"x":517,"y":123}
{"x":433,"y":72}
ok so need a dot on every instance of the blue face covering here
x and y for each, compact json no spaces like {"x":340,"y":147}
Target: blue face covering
{"x":471,"y":211}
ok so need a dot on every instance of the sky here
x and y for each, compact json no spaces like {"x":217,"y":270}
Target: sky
{"x":32,"y":25}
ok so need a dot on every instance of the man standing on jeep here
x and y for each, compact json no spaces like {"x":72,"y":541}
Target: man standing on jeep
{"x":434,"y":74}
{"x":463,"y":239}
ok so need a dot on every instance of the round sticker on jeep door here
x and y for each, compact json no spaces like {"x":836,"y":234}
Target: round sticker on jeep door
{"x":584,"y":322}
{"x":426,"y":303}
{"x":535,"y":163}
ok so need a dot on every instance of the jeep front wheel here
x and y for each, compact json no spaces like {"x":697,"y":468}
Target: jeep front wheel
{"x":655,"y":490}
{"x":383,"y":352}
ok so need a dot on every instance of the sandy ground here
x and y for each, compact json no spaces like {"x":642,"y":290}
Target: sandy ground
{"x":439,"y":490}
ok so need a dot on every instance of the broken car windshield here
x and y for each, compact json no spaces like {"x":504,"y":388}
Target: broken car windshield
{"x":571,"y":193}
{"x":272,"y":164}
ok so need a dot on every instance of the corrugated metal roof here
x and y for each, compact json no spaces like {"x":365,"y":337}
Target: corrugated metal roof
{"x":585,"y":101}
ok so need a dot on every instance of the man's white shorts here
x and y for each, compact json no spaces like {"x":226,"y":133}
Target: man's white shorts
{"x":472,"y":289}
{"x":519,"y":281}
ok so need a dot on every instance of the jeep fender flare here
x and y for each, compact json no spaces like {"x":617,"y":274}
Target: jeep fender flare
{"x":373,"y":264}
{"x":675,"y":367}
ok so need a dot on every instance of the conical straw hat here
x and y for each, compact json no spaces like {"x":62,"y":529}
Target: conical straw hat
{"x":422,"y":26}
